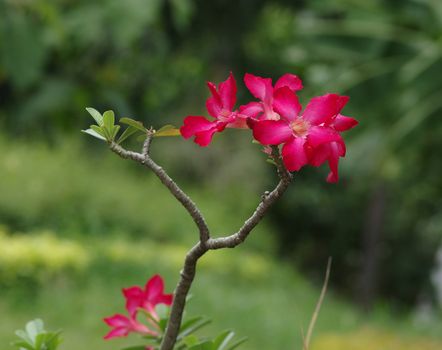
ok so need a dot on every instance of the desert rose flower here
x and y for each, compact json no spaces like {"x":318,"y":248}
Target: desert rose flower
{"x":262,"y":89}
{"x":311,"y":137}
{"x":139,"y":298}
{"x":148,"y":297}
{"x":220,"y":106}
{"x":123,"y":325}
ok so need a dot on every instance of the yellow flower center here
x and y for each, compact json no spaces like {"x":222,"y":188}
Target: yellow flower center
{"x":299,"y":127}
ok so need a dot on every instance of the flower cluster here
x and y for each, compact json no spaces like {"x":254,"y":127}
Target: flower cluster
{"x":307,"y":137}
{"x":137,"y":298}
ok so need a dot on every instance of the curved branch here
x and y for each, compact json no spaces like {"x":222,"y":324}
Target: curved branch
{"x":205,"y":242}
{"x":189,"y":270}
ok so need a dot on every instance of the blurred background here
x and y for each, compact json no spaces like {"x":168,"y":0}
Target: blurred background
{"x":77,"y":224}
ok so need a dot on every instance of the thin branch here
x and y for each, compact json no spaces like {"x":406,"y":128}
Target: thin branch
{"x":311,"y":326}
{"x":146,"y":145}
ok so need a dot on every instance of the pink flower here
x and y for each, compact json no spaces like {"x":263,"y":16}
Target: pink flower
{"x":220,"y":106}
{"x":263,"y":90}
{"x":136,"y":297}
{"x":147,"y":298}
{"x":123,"y":325}
{"x":312,"y":137}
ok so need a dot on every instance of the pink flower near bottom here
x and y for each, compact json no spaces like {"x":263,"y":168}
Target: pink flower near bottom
{"x":139,"y":298}
{"x":123,"y":325}
{"x":148,"y":297}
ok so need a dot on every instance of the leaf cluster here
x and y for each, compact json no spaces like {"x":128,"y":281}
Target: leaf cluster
{"x":105,"y":128}
{"x":35,"y":337}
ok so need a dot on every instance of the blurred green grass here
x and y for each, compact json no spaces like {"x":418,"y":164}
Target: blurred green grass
{"x":239,"y":289}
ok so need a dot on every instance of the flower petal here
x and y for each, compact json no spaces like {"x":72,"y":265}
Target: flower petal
{"x":294,"y":154}
{"x":239,"y":122}
{"x":227,"y":92}
{"x":342,"y":123}
{"x":166,"y":299}
{"x":204,"y":138}
{"x":195,"y":124}
{"x":252,"y":109}
{"x":259,"y":87}
{"x":213,"y":106}
{"x":134,"y":299}
{"x":290,"y":80}
{"x":117,"y":320}
{"x":272,"y":132}
{"x":322,"y":109}
{"x":333,"y":160}
{"x":319,"y":155}
{"x":318,"y":135}
{"x":286,"y":103}
{"x":117,"y":332}
{"x":154,"y":288}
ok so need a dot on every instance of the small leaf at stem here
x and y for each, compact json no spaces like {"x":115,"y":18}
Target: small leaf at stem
{"x":109,"y":121}
{"x":22,"y":345}
{"x":127,"y":133}
{"x":94,"y":134}
{"x":194,"y":327}
{"x":167,"y":130}
{"x":222,"y":340}
{"x":115,"y":130}
{"x":271,"y":161}
{"x":136,"y":124}
{"x":96,"y":115}
{"x":237,"y":343}
{"x":204,"y":345}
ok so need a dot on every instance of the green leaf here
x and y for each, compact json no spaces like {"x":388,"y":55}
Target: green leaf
{"x":221,"y":341}
{"x":115,"y":130}
{"x":96,"y":115}
{"x":205,"y":345}
{"x":34,"y":328}
{"x":99,"y":130}
{"x":127,"y":133}
{"x":39,"y":341}
{"x":191,"y":340}
{"x":194,"y":327}
{"x":23,"y":335}
{"x":190,"y":322}
{"x":237,"y":343}
{"x":94,"y":134}
{"x":136,"y":124}
{"x":271,"y":161}
{"x":109,"y":121}
{"x":53,"y":339}
{"x":22,"y":345}
{"x":167,"y":130}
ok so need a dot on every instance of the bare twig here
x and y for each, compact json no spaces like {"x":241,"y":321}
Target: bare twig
{"x":312,"y":323}
{"x":205,"y":242}
{"x":146,"y":144}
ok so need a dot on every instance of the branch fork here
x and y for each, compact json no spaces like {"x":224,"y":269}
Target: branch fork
{"x":205,"y":242}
